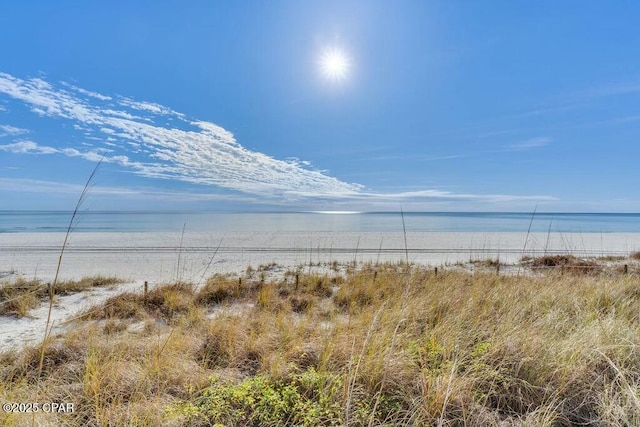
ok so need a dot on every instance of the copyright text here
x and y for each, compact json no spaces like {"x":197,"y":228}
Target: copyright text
{"x":32,"y":407}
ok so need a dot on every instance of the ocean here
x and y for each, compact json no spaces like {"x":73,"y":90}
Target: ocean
{"x":90,"y":221}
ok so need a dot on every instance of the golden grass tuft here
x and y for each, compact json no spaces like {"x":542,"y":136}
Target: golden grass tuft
{"x":220,"y":288}
{"x":165,"y":301}
{"x":74,"y":286}
{"x":19,"y":296}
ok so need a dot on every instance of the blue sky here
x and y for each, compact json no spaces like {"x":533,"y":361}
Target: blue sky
{"x":206,"y":105}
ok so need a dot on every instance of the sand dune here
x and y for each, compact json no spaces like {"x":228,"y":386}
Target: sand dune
{"x":160,"y":258}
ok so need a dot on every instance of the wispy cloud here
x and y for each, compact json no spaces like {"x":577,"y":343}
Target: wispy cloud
{"x":53,"y":187}
{"x":24,"y":147}
{"x":417,"y":158}
{"x":150,"y":107}
{"x":530,"y":143}
{"x":447,"y":195}
{"x":438,"y":195}
{"x":613,"y":89}
{"x":616,"y":120}
{"x":30,"y":147}
{"x":549,"y":110}
{"x":87,"y":92}
{"x":149,"y":194}
{"x":7,"y":130}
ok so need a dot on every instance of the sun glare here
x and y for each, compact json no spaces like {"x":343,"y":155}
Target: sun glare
{"x":334,"y":64}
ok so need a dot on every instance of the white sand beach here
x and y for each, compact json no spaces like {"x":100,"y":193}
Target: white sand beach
{"x":162,"y":257}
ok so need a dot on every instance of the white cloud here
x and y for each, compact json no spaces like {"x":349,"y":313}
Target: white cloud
{"x":149,"y":106}
{"x":24,"y":147}
{"x":7,"y":130}
{"x":117,"y":113}
{"x":88,"y":93}
{"x":95,"y":155}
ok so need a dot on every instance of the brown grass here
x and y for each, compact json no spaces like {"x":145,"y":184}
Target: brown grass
{"x":163,"y":302}
{"x":461,"y":350}
{"x":568,"y":263}
{"x":73,"y":286}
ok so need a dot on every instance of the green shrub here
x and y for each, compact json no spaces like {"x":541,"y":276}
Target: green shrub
{"x":306,"y":399}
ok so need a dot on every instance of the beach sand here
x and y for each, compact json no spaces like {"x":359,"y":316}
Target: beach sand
{"x":166,"y":257}
{"x":163,"y":257}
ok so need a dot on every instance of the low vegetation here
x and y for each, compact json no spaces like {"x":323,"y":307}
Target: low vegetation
{"x":19,"y":296}
{"x":569,"y":263}
{"x":387,"y":344}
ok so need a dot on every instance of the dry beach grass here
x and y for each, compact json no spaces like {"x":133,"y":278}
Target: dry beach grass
{"x":385,"y":344}
{"x":17,"y":297}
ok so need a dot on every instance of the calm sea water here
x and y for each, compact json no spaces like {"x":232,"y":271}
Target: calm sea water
{"x":50,"y":221}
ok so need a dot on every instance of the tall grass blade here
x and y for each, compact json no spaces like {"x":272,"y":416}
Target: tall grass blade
{"x":526,"y":240}
{"x":404,"y":232}
{"x":184,"y":226}
{"x":210,"y":262}
{"x":76,"y":210}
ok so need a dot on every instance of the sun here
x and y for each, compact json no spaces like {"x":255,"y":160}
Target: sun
{"x":334,"y":64}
